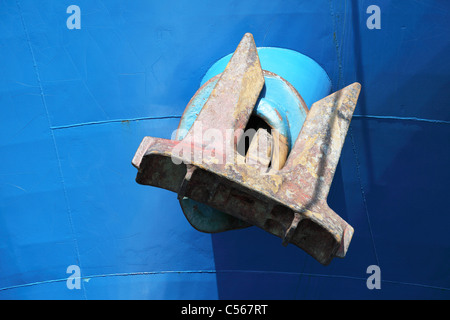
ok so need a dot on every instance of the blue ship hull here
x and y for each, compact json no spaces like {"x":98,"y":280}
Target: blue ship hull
{"x":77,"y":102}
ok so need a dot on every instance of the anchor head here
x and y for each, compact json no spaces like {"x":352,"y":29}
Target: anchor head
{"x":279,"y":181}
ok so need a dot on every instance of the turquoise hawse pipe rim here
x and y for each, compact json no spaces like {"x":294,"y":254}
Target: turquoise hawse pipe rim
{"x":287,"y":69}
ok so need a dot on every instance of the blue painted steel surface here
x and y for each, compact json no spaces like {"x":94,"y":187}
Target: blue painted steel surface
{"x":76,"y":103}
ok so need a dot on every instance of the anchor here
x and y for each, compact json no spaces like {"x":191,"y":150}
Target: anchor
{"x":278,"y":181}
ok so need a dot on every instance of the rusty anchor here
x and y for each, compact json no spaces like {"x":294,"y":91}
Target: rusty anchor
{"x":280,"y":192}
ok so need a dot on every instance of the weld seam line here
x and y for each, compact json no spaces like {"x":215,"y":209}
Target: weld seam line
{"x":38,"y":78}
{"x":400,"y":118}
{"x":145,"y":273}
{"x":358,"y":172}
{"x":355,"y":116}
{"x":113,"y":121}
